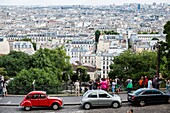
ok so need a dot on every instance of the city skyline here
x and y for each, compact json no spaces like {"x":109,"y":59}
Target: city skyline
{"x":77,"y":2}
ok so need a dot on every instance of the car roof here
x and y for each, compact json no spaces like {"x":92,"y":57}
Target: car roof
{"x":98,"y":90}
{"x":37,"y":92}
{"x":149,"y":89}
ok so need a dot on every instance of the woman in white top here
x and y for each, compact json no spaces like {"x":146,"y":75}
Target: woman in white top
{"x":4,"y":88}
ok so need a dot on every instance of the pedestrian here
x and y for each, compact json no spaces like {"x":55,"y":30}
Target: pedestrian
{"x":1,"y":86}
{"x":129,"y":85}
{"x":5,"y":88}
{"x":90,"y":85}
{"x":113,"y":86}
{"x":150,"y":84}
{"x":108,"y":83}
{"x":168,"y":86}
{"x":95,"y":85}
{"x":154,"y":82}
{"x":77,"y":88}
{"x":146,"y":82}
{"x":130,"y":111}
{"x":103,"y":84}
{"x":85,"y":89}
{"x":141,"y":82}
{"x":117,"y":85}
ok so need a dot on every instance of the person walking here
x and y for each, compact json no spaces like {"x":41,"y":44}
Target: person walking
{"x":129,"y":85}
{"x":77,"y":88}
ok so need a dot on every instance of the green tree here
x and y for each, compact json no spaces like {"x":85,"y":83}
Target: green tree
{"x":14,"y":62}
{"x":45,"y":79}
{"x":97,"y":35}
{"x":54,"y":59}
{"x":166,"y":46}
{"x":133,"y":65}
{"x":82,"y":74}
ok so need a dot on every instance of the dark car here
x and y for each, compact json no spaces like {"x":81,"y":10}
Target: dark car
{"x":148,"y":96}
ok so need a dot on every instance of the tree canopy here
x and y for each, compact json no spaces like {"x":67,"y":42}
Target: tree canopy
{"x":166,"y":46}
{"x":47,"y":67}
{"x":14,"y":62}
{"x":133,"y":65}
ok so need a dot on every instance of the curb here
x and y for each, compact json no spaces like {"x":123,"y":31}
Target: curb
{"x":65,"y":104}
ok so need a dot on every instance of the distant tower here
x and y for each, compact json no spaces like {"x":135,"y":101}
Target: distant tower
{"x":138,"y":7}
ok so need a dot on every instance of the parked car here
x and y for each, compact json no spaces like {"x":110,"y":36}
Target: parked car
{"x":148,"y":96}
{"x":100,"y":98}
{"x":40,"y":99}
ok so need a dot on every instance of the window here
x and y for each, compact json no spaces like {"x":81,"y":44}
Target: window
{"x":93,"y":95}
{"x":156,"y":92}
{"x":147,"y":92}
{"x":42,"y":96}
{"x":35,"y":96}
{"x":28,"y":97}
{"x":103,"y":95}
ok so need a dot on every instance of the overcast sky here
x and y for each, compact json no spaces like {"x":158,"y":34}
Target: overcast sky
{"x":77,"y":2}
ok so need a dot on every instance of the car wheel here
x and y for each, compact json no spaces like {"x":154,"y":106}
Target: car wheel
{"x":142,"y":103}
{"x":87,"y":106}
{"x":169,"y":100}
{"x":115,"y":104}
{"x":27,"y":108}
{"x":55,"y":106}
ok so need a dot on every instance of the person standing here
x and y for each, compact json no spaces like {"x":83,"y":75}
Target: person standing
{"x":168,"y":86}
{"x":77,"y":88}
{"x":150,"y":83}
{"x":1,"y":86}
{"x":113,"y":86}
{"x":145,"y":82}
{"x":129,"y":85}
{"x":5,"y":89}
{"x":103,"y":84}
{"x":90,"y":85}
{"x":141,"y":82}
{"x":117,"y":85}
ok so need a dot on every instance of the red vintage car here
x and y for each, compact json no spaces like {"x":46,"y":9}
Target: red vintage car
{"x":40,"y":99}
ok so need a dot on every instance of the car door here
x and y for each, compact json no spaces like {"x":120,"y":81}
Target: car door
{"x":157,"y":96}
{"x":43,"y":100}
{"x":34,"y":100}
{"x":147,"y":96}
{"x":104,"y":99}
{"x":93,"y":99}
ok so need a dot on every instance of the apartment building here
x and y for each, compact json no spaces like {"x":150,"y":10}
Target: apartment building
{"x":4,"y":46}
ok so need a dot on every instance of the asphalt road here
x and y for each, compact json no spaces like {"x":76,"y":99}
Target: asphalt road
{"x":162,"y":108}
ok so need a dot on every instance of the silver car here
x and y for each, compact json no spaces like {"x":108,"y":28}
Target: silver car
{"x":100,"y":98}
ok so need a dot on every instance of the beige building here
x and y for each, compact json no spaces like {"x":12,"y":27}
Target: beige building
{"x":103,"y":45}
{"x":4,"y":46}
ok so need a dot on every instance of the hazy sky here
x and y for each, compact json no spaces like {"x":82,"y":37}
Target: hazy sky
{"x":77,"y":2}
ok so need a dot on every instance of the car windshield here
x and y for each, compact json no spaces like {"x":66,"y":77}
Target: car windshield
{"x":85,"y":93}
{"x":137,"y":92}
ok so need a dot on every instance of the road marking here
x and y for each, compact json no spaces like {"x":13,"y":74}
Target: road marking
{"x":9,"y":102}
{"x":0,"y":98}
